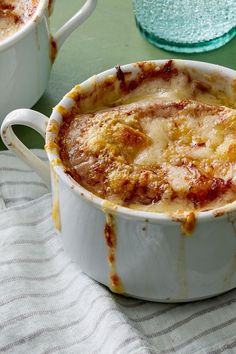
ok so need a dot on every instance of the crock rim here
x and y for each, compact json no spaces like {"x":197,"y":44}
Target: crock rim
{"x":163,"y":218}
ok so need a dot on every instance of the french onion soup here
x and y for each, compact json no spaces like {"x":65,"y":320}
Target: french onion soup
{"x":164,"y":141}
{"x":14,"y":14}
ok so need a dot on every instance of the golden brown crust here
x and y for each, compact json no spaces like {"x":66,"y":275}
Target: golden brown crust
{"x":99,"y":151}
{"x":14,"y":14}
{"x":154,"y":151}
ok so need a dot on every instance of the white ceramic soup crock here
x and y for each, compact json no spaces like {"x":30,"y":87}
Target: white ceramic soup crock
{"x":142,"y":254}
{"x":27,"y":56}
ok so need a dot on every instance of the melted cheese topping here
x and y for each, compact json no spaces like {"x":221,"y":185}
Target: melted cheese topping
{"x":158,"y":149}
{"x":14,"y":14}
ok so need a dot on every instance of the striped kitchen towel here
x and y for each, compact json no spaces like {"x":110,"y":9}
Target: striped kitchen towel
{"x":47,"y":305}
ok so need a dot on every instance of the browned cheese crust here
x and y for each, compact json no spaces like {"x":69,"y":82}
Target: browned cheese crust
{"x":14,"y":14}
{"x":166,"y":154}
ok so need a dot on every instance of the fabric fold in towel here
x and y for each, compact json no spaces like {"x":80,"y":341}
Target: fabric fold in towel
{"x":47,"y":305}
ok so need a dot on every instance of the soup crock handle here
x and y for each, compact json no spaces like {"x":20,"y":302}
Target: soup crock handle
{"x":61,"y":35}
{"x":31,"y":119}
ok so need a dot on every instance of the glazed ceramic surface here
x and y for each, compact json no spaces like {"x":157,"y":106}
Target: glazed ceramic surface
{"x":27,"y":56}
{"x":154,"y":260}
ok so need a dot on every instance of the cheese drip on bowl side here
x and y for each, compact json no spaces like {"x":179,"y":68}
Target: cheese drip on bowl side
{"x":165,"y":146}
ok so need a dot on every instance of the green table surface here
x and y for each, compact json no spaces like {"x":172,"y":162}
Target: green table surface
{"x":109,"y":37}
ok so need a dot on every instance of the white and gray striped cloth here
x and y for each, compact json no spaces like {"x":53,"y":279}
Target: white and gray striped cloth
{"x":47,"y":305}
